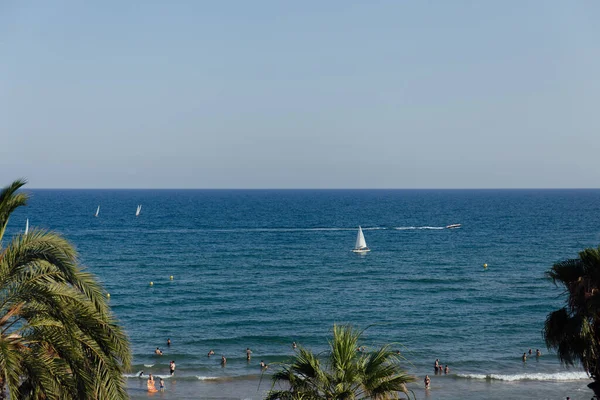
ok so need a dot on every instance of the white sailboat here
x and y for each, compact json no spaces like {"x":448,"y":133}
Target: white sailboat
{"x":97,"y":211}
{"x":361,"y":244}
{"x":139,"y":210}
{"x":27,"y":226}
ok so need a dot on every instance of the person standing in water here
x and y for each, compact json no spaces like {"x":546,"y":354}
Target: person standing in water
{"x":172,"y":367}
{"x":248,"y":353}
{"x":524,"y":358}
{"x":427,"y":381}
{"x":162,"y":385}
{"x":168,"y":342}
{"x":223,"y":361}
{"x":150,"y":384}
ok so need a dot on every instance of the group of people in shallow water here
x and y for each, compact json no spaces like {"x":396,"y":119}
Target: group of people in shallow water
{"x":211,"y":352}
{"x":438,"y":369}
{"x":151,"y":384}
{"x":538,"y":353}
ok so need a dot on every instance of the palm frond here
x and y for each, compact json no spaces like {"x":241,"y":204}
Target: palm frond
{"x":10,"y":200}
{"x":58,"y":338}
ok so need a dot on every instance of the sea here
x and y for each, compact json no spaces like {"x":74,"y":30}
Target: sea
{"x":229,"y":270}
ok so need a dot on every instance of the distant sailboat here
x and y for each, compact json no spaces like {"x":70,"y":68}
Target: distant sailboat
{"x":361,"y":244}
{"x":139,"y":210}
{"x":97,"y":211}
{"x":27,"y":226}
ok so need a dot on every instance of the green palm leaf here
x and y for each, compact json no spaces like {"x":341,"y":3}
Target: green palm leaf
{"x":574,"y":330}
{"x":344,"y":374}
{"x":58,"y":338}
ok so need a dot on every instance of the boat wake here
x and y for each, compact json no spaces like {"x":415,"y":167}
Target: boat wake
{"x":556,"y":377}
{"x":408,"y":228}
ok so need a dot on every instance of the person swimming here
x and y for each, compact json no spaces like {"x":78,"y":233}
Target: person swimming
{"x":158,"y":352}
{"x":210,"y":353}
{"x":263,"y":365}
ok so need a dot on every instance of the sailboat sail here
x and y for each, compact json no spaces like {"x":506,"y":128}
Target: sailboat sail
{"x":360,"y":240}
{"x":97,"y":211}
{"x":139,"y":209}
{"x":27,"y":226}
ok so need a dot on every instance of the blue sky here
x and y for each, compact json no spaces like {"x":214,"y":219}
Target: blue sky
{"x":311,"y":94}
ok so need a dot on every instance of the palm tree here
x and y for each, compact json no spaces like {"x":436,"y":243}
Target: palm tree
{"x":58,"y":338}
{"x":574,"y":330}
{"x":346,"y":373}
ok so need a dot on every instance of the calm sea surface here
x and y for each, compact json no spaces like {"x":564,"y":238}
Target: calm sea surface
{"x":263,"y":268}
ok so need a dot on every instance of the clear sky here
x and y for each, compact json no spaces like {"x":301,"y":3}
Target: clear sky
{"x":304,"y":94}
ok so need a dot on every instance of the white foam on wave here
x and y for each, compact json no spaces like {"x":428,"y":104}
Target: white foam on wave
{"x":136,"y":375}
{"x":145,"y":376}
{"x":148,"y":365}
{"x":557,"y":376}
{"x":206,"y":378}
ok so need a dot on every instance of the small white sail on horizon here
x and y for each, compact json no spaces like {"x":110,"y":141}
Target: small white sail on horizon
{"x":97,"y":211}
{"x":361,"y":244}
{"x":139,"y":210}
{"x":27,"y":226}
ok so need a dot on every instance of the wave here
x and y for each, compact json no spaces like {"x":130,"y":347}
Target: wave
{"x":407,"y":228}
{"x":145,"y":376}
{"x":211,"y":378}
{"x":557,"y":376}
{"x":207,"y":378}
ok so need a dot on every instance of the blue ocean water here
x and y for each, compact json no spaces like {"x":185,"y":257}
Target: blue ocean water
{"x":264,"y":268}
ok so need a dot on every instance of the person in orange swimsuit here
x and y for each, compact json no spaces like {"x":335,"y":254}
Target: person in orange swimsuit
{"x":151,"y":385}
